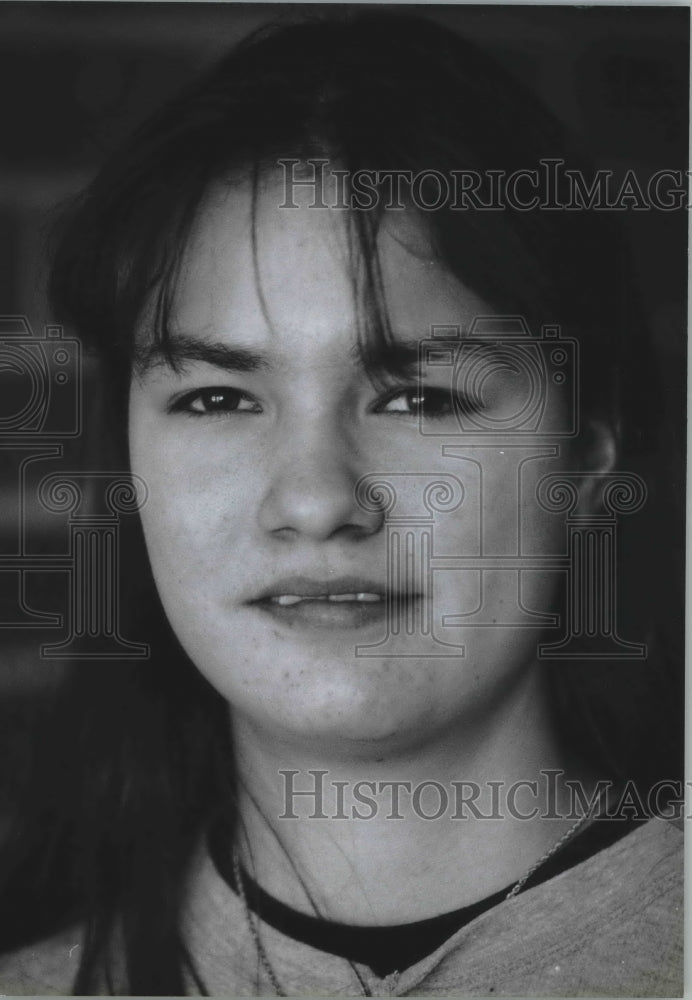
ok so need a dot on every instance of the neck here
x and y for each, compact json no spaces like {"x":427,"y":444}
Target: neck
{"x":397,"y":836}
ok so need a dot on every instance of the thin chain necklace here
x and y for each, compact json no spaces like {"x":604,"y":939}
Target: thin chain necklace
{"x":252,"y":920}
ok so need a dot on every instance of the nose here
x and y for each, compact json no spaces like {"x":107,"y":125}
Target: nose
{"x":311,"y":491}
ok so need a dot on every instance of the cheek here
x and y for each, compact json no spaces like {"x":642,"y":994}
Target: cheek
{"x":177,"y":519}
{"x":193,"y":544}
{"x":197,"y":494}
{"x":500,"y":516}
{"x":500,"y":513}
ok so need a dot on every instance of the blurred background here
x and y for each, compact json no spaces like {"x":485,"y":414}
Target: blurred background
{"x":76,"y":77}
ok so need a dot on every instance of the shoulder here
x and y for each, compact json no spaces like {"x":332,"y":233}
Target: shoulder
{"x":46,"y":968}
{"x":622,"y":912}
{"x":656,"y":839}
{"x":609,"y":926}
{"x":651,"y":857}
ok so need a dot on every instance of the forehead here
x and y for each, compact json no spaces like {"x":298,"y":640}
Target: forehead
{"x":258,"y":273}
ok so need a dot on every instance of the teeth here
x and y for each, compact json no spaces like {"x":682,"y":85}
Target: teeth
{"x":285,"y":600}
{"x":368,"y":598}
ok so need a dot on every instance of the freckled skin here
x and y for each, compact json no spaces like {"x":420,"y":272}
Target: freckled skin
{"x":239,"y":500}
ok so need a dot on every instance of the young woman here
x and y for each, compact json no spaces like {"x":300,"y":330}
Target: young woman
{"x":346,"y":768}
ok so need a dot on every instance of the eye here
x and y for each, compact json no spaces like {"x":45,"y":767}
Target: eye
{"x":419,"y":401}
{"x":215,"y":400}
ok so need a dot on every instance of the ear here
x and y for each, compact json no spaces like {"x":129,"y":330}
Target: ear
{"x":598,"y":451}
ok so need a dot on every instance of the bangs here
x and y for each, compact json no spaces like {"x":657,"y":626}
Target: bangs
{"x":153,"y":296}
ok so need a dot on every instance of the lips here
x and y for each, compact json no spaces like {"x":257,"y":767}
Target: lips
{"x":287,"y":600}
{"x":343,"y":602}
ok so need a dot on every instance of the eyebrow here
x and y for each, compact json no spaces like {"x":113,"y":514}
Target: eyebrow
{"x":179,"y":348}
{"x":398,"y":358}
{"x":404,"y":358}
{"x":394,"y":358}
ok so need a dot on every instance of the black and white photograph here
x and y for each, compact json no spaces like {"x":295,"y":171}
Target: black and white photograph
{"x":343,"y":388}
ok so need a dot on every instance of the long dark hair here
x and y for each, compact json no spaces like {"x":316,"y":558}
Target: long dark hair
{"x":134,"y":761}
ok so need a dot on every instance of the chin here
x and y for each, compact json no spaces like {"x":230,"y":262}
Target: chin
{"x":342,"y":717}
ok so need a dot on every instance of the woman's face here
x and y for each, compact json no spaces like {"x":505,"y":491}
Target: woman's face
{"x":274,"y":576}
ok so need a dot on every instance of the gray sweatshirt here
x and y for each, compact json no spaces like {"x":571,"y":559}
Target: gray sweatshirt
{"x":610,"y":926}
